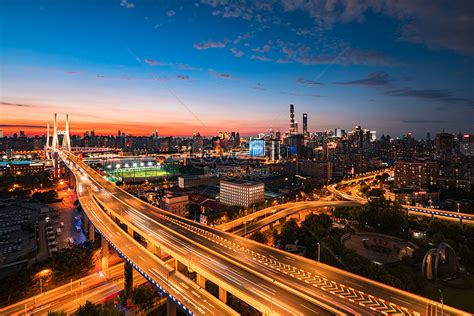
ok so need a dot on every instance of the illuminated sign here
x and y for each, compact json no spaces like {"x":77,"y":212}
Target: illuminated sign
{"x":257,"y":148}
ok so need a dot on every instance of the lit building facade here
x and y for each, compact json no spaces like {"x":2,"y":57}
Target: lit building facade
{"x":241,"y":192}
{"x":176,"y":204}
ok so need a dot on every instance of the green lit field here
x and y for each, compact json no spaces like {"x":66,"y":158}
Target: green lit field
{"x":139,"y":172}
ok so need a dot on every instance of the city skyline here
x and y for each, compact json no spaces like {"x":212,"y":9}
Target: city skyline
{"x":211,"y":66}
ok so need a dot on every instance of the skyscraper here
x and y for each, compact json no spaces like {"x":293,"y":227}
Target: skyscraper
{"x":305,"y":124}
{"x":293,"y":130}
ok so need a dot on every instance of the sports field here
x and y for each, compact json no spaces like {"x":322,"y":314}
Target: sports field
{"x":139,"y":172}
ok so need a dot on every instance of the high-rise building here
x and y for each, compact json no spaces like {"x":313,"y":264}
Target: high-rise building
{"x":198,"y":143}
{"x":293,"y":128}
{"x":421,"y":174}
{"x":444,"y":143}
{"x":241,"y":192}
{"x":305,"y":124}
{"x":278,"y":135}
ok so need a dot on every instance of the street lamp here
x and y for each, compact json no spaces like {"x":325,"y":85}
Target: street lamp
{"x":41,"y":275}
{"x":442,"y":302}
{"x":319,"y":252}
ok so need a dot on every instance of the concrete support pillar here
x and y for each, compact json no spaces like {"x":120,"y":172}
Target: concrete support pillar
{"x":85,"y":221}
{"x":176,"y":264}
{"x":151,"y":247}
{"x":201,"y":281}
{"x":91,"y":232}
{"x":170,"y":308}
{"x":105,"y":253}
{"x":460,"y":221}
{"x":222,"y":295}
{"x":271,"y":226}
{"x":130,"y":231}
{"x":128,"y":279}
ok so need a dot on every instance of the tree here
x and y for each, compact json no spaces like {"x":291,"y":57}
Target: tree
{"x":88,"y":309}
{"x":382,"y":215}
{"x":259,"y":237}
{"x":290,"y":231}
{"x":60,"y":313}
{"x":377,"y":192}
{"x":91,"y":309}
{"x":142,"y":296}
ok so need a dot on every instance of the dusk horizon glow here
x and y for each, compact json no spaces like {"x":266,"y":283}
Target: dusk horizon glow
{"x":211,"y":66}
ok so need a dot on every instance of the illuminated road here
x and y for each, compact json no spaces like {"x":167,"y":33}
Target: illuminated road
{"x":259,"y":290}
{"x":68,"y":297}
{"x":273,"y":281}
{"x":416,"y":210}
{"x":274,"y":214}
{"x":182,"y":289}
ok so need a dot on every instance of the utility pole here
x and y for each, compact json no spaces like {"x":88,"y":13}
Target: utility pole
{"x":442,"y":302}
{"x":319,"y":252}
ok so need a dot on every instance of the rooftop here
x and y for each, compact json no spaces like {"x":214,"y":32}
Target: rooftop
{"x":242,"y":182}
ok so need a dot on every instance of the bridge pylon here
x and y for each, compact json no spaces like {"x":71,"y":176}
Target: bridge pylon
{"x":66,"y":142}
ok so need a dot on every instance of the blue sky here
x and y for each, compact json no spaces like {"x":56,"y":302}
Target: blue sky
{"x":209,"y":66}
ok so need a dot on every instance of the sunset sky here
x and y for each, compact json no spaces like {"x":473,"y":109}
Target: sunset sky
{"x":215,"y":65}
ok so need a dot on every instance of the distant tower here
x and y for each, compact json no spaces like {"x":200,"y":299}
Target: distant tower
{"x":47,"y":134}
{"x":55,"y":142}
{"x":305,"y":124}
{"x":66,"y":137}
{"x":293,"y":130}
{"x":47,"y":141}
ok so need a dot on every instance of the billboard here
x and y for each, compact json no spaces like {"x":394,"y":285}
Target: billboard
{"x":257,"y":148}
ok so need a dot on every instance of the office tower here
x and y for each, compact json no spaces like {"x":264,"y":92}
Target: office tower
{"x":338,"y":132}
{"x":444,"y":143}
{"x":305,"y":124}
{"x":293,"y":130}
{"x":278,"y":136}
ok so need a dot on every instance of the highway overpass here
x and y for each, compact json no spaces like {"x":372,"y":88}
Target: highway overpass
{"x":273,"y":281}
{"x":68,"y":297}
{"x":416,"y":210}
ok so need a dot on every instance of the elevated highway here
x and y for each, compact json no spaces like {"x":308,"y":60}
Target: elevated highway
{"x":273,"y":281}
{"x":416,"y":210}
{"x":68,"y":297}
{"x":189,"y":296}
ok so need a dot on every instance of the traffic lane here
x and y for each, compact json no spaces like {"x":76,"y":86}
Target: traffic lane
{"x":255,"y":265}
{"x":262,"y":267}
{"x":66,"y":292}
{"x":122,"y":196}
{"x":358,"y":280}
{"x":183,"y":289}
{"x":119,"y":196}
{"x":138,"y":204}
{"x":266,"y":292}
